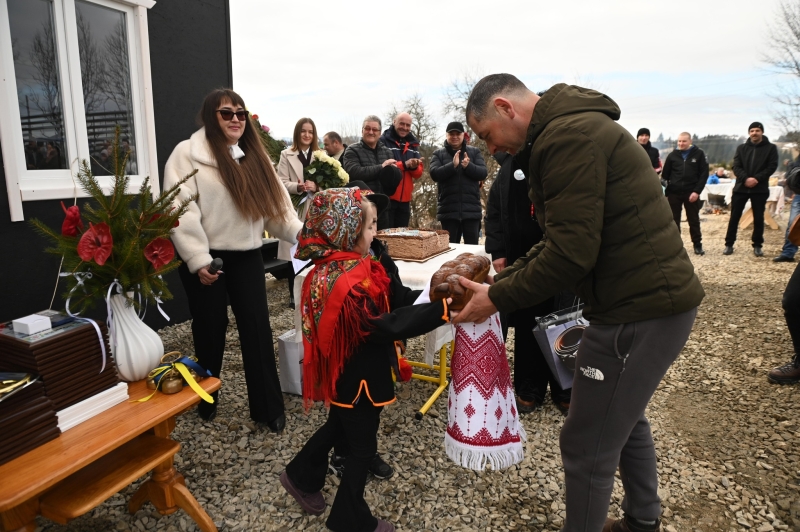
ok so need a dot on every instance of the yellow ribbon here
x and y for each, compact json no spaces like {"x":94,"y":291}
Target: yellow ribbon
{"x":184,"y":371}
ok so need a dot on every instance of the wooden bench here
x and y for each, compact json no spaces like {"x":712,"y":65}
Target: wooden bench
{"x":69,"y":476}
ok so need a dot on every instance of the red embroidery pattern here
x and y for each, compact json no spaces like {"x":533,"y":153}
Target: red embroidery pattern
{"x":481,"y":362}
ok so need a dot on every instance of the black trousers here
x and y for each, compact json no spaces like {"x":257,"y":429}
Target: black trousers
{"x":398,"y":214}
{"x":531,"y":372}
{"x":468,"y":228}
{"x":243,"y":284}
{"x":758,"y":202}
{"x":359,"y":427}
{"x":791,"y":308}
{"x":676,"y":201}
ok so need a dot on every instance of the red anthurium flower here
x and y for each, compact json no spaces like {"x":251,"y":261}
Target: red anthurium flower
{"x":72,"y":220}
{"x":96,"y":243}
{"x":159,"y":252}
{"x":405,"y":369}
{"x":255,"y":117}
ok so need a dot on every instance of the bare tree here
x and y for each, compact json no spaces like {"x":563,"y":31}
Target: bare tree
{"x":93,"y":68}
{"x":45,"y":63}
{"x":350,"y":130}
{"x":784,"y":56}
{"x":117,"y":71}
{"x":425,"y":130}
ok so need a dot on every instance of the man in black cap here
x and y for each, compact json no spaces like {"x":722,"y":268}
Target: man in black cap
{"x":753,"y":164}
{"x":643,"y":136}
{"x":459,"y":170}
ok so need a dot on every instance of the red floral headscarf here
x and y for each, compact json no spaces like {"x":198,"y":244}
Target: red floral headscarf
{"x":343,"y":292}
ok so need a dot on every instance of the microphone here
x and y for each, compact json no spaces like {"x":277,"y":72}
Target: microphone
{"x":215,"y":266}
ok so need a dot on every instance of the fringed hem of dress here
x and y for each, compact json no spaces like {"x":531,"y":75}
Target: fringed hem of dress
{"x":476,"y":457}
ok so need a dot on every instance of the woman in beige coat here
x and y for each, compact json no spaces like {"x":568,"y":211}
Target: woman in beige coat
{"x":290,"y":169}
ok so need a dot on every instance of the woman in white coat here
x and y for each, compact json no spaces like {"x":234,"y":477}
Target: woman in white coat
{"x":290,"y":169}
{"x":235,"y":195}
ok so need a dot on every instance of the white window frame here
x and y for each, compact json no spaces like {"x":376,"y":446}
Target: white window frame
{"x":26,"y":185}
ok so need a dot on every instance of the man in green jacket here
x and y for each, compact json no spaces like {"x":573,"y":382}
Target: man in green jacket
{"x":610,"y":238}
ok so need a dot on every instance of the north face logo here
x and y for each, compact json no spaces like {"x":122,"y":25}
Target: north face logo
{"x":694,"y":160}
{"x":593,"y":373}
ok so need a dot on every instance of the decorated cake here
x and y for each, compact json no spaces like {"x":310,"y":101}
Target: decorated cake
{"x":414,"y":244}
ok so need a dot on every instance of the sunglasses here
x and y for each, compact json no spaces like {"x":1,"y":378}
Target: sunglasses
{"x":227,"y":114}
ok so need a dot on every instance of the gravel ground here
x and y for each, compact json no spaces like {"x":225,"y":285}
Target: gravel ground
{"x":725,"y":437}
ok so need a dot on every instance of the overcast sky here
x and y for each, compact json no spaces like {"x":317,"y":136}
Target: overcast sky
{"x":671,"y":66}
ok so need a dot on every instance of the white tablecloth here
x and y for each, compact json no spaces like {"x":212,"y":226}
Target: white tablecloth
{"x":417,"y":276}
{"x":775,"y":194}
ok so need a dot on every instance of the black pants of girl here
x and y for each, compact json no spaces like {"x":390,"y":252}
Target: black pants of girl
{"x":359,"y":427}
{"x":243,"y":285}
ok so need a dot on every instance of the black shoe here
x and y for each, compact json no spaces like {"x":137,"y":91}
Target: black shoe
{"x":783,"y":258}
{"x":291,"y":302}
{"x":336,"y":465}
{"x":728,"y":250}
{"x":207,"y":411}
{"x":526,"y":407}
{"x":786,"y":374}
{"x":380,"y":469}
{"x":757,"y":251}
{"x":277,"y":424}
{"x":698,"y":249}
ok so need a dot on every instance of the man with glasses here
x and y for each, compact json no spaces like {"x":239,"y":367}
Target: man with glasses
{"x":405,"y":150}
{"x":373,"y":163}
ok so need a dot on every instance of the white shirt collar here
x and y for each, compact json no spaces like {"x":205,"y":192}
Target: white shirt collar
{"x":236,"y":152}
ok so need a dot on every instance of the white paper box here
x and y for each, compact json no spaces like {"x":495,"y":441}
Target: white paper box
{"x":290,"y":361}
{"x":32,"y":324}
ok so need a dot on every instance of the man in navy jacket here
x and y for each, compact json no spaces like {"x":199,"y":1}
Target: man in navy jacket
{"x":686,"y":172}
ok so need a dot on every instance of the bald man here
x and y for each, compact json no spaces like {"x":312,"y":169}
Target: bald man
{"x":405,"y":149}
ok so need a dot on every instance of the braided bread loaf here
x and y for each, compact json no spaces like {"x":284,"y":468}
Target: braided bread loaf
{"x":444,"y":282}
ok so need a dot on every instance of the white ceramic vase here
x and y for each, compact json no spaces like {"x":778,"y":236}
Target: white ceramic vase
{"x":138,"y":348}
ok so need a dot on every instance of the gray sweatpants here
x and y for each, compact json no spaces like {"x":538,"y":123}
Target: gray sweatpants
{"x":618,"y":370}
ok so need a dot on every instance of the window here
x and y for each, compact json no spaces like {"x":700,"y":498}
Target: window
{"x":71,"y":73}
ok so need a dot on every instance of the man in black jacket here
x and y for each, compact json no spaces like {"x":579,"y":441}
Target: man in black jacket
{"x":459,"y":170}
{"x":373,"y":163}
{"x":511,"y":231}
{"x":753,"y":164}
{"x":643,"y":136}
{"x":686,"y":172}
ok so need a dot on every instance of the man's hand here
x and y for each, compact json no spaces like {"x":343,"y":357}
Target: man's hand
{"x":457,"y":158}
{"x":387,"y":162}
{"x":465,"y":160}
{"x":693,"y":197}
{"x":479,"y":308}
{"x":499,"y":264}
{"x":750,"y":182}
{"x":411,"y":164}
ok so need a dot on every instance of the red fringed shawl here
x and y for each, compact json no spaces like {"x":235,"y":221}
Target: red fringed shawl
{"x":340,"y":297}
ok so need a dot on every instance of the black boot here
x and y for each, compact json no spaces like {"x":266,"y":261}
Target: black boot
{"x":728,"y":250}
{"x":757,"y":251}
{"x":698,"y":249}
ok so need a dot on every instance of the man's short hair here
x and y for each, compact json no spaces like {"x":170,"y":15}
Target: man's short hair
{"x":488,"y":88}
{"x":333,"y":136}
{"x":372,"y":118}
{"x":682,"y":133}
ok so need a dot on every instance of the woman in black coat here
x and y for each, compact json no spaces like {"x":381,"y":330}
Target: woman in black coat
{"x":459,"y":170}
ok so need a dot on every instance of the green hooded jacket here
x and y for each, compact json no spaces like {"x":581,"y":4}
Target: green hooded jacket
{"x":609,"y":232}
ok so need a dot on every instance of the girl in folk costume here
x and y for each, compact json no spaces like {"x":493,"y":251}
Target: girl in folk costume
{"x":292,"y":162}
{"x":348,"y":335}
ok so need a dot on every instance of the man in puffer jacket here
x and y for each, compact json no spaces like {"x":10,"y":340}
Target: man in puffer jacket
{"x":753,"y":164}
{"x":405,"y":150}
{"x":611,"y":239}
{"x":686,"y":172}
{"x":458,"y":170}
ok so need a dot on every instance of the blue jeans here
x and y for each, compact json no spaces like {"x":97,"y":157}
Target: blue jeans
{"x":790,"y":249}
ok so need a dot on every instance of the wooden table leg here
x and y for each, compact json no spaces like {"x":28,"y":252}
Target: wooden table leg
{"x":166,"y":489}
{"x":747,"y":219}
{"x":770,"y":220}
{"x":21,"y":518}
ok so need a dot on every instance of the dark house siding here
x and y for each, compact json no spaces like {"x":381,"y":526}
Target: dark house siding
{"x":190,"y":54}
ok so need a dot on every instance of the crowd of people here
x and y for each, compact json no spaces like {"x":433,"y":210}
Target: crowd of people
{"x":562,"y":223}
